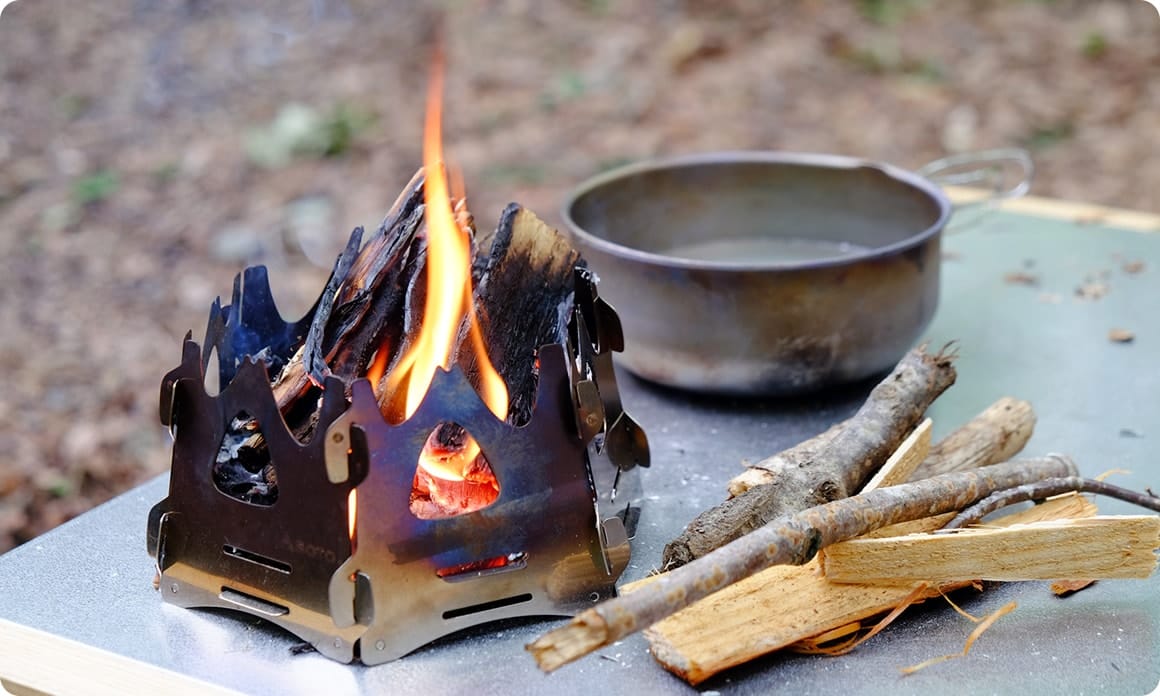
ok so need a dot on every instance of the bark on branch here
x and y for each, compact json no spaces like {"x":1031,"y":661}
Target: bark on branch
{"x":995,"y":435}
{"x":790,"y":539}
{"x":1041,"y":490}
{"x":832,"y":468}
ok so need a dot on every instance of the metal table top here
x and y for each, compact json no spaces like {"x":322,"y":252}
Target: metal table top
{"x":89,"y":580}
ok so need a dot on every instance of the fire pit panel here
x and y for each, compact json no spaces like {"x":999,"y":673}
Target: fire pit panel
{"x":537,"y":550}
{"x":214,"y":550}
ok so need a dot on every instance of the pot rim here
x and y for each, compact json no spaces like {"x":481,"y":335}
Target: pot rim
{"x":819,"y":160}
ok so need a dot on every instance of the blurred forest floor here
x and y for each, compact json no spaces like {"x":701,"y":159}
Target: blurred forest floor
{"x":150,"y":150}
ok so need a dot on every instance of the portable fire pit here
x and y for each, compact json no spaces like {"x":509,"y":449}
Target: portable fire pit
{"x":367,"y":514}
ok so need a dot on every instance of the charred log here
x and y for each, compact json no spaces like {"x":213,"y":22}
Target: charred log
{"x":523,"y":300}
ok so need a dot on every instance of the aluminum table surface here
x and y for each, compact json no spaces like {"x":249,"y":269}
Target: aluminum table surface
{"x":89,"y":580}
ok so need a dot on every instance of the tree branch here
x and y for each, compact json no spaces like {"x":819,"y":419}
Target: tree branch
{"x":834,"y":468}
{"x":1040,"y":490}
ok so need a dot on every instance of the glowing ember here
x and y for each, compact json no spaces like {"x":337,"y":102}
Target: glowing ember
{"x":484,"y":567}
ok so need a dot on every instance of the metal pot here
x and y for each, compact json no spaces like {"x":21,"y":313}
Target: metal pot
{"x":766,"y":273}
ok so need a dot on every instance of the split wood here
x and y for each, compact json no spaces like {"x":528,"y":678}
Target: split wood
{"x":837,"y":464}
{"x":790,"y":539}
{"x":1100,"y":548}
{"x":792,"y":607}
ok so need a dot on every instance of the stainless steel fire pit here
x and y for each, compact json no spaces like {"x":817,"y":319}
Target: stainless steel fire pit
{"x":376,"y":581}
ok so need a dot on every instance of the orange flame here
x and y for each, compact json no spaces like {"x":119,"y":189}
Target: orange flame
{"x":352,"y":513}
{"x":449,"y":293}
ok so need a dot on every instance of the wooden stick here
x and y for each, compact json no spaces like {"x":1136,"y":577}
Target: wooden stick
{"x":766,"y":470}
{"x":836,"y":469}
{"x":1041,"y":490}
{"x":790,"y":539}
{"x":1098,"y":548}
{"x":784,"y":605}
{"x":995,"y":435}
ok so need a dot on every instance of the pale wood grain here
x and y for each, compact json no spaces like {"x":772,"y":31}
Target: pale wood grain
{"x":35,"y":661}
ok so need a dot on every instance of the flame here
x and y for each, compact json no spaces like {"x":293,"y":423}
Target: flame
{"x":449,"y":297}
{"x":352,"y":512}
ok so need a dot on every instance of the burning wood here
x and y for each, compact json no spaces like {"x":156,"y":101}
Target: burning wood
{"x":368,"y":323}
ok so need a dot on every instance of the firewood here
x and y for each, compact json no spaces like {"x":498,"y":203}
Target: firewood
{"x":765,"y":471}
{"x":791,"y":539}
{"x":901,"y":465}
{"x":523,"y":300}
{"x":785,"y":605}
{"x":358,"y":286}
{"x":1099,"y":548}
{"x":835,"y":469}
{"x":995,"y":435}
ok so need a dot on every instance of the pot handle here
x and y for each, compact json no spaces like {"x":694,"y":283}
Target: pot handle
{"x":990,"y":170}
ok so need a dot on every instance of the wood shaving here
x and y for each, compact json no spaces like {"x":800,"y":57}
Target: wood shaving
{"x":1064,"y":588}
{"x":816,"y":645}
{"x":979,"y":630}
{"x":1121,"y":336}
